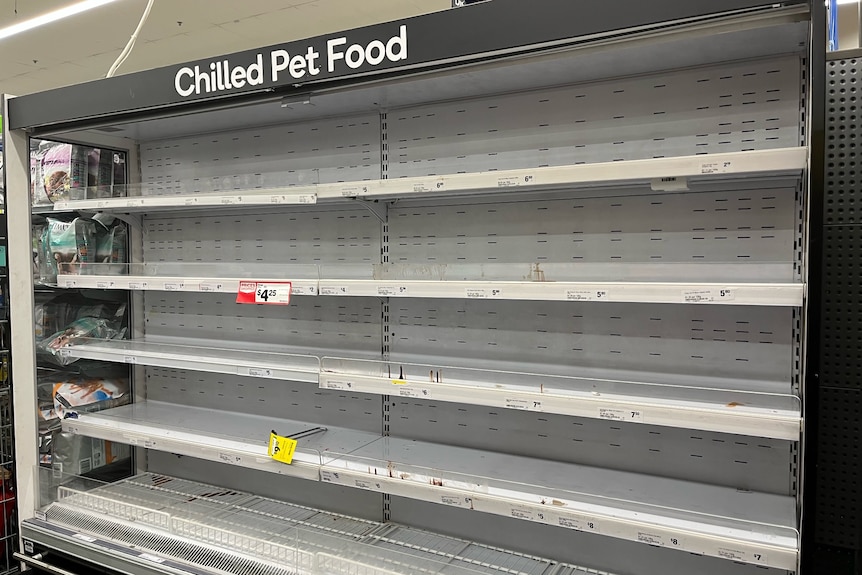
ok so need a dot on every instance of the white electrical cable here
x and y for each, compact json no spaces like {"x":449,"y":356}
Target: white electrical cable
{"x":131,"y":44}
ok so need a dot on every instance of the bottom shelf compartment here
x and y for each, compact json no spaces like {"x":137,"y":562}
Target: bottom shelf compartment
{"x":156,"y":523}
{"x":735,"y":525}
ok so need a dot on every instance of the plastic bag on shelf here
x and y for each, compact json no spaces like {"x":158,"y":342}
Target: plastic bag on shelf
{"x":66,"y":247}
{"x":85,"y":327}
{"x":59,"y":396}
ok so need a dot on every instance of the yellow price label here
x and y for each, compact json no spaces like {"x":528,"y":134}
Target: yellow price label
{"x":399,"y":382}
{"x":281,"y":448}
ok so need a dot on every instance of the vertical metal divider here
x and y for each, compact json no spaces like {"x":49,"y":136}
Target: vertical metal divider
{"x":385,"y":318}
{"x":137,"y":321}
{"x":16,"y":150}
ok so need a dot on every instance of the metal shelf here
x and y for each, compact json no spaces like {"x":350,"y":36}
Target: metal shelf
{"x":741,"y":526}
{"x":754,"y":284}
{"x":658,"y":172}
{"x":709,"y":404}
{"x":180,"y":524}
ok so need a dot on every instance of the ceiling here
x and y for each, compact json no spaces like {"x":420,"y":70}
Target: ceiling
{"x":83,"y":47}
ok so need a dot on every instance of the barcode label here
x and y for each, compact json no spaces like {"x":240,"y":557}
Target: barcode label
{"x":709,"y":295}
{"x":337,"y":384}
{"x":333,"y":290}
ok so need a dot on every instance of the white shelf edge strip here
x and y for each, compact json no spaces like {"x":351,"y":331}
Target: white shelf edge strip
{"x":737,"y":419}
{"x":783,"y":160}
{"x":180,"y":284}
{"x":737,"y":544}
{"x":756,"y":294}
{"x":274,"y":196}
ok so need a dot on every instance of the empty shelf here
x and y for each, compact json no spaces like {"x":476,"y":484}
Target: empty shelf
{"x":200,"y":356}
{"x":656,"y":172}
{"x":741,"y":526}
{"x":692,"y":403}
{"x":172,"y":525}
{"x":233,"y":438}
{"x":761,"y":283}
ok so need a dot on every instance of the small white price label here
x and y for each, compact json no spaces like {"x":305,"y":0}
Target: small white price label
{"x":481,"y":293}
{"x":456,"y":501}
{"x":84,"y":537}
{"x":65,"y":352}
{"x":353,"y":191}
{"x":523,"y":404}
{"x":228,"y":200}
{"x":529,"y":514}
{"x":130,"y":359}
{"x":732,"y":554}
{"x":308,"y":199}
{"x":333,"y":290}
{"x":413,"y":392}
{"x":71,"y":283}
{"x":621,"y":414}
{"x":137,"y":285}
{"x":134,"y":203}
{"x":104,"y":285}
{"x":716,"y":167}
{"x":173,"y":286}
{"x":429,"y":186}
{"x":41,"y":516}
{"x":709,"y":295}
{"x":150,"y":557}
{"x":337,"y":384}
{"x":191,"y":201}
{"x":387,"y":291}
{"x":208,"y":287}
{"x":272,"y":293}
{"x":61,"y":206}
{"x":655,"y":539}
{"x":232,"y":459}
{"x":370,"y":485}
{"x":258,"y":372}
{"x":330,"y":476}
{"x":586,"y":295}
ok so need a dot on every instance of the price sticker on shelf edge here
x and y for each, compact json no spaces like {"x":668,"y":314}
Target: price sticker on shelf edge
{"x":281,"y":448}
{"x":271,"y":293}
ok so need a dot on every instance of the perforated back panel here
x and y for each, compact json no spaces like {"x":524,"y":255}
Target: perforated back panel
{"x":297,"y":236}
{"x":729,"y":108}
{"x":284,"y":399}
{"x":838,"y":521}
{"x":299,"y":154}
{"x":752,"y":343}
{"x":733,"y":226}
{"x":353,"y":324}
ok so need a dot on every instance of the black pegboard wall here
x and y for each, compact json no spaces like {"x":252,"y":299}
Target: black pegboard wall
{"x":838,"y":517}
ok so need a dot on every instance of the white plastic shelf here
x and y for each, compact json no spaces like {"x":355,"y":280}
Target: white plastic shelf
{"x":747,"y":527}
{"x":233,"y":438}
{"x":741,"y":526}
{"x":763,"y":284}
{"x":690,"y":403}
{"x":709,"y":404}
{"x":200,"y":357}
{"x":660,"y":173}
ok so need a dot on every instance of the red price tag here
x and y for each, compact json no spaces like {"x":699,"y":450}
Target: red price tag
{"x":272,"y":293}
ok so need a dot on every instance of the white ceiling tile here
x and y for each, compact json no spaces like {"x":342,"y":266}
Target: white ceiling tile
{"x":209,"y":28}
